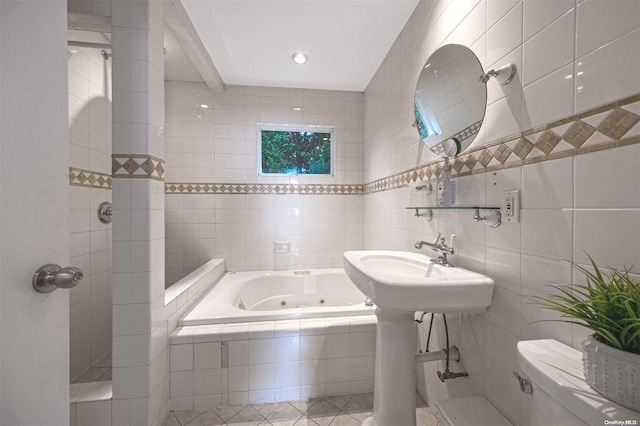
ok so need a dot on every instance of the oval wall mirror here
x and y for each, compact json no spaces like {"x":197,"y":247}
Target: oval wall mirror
{"x":450,"y":100}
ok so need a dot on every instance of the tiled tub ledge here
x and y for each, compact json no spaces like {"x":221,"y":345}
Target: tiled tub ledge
{"x":270,"y":361}
{"x":91,"y":403}
{"x":179,"y":297}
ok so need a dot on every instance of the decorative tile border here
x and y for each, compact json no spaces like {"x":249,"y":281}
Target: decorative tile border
{"x":598,"y":129}
{"x":251,"y":188}
{"x":601,"y":128}
{"x":89,"y":179}
{"x":130,"y":166}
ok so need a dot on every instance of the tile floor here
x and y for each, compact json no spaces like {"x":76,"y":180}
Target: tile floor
{"x":101,"y":372}
{"x":348,"y":410}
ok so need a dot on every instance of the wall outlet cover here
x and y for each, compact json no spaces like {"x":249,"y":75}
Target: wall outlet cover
{"x":510,"y":208}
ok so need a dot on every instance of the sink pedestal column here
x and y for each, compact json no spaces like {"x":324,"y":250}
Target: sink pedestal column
{"x":394,"y":399}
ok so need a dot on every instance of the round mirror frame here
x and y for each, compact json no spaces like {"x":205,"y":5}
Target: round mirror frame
{"x":450,"y":100}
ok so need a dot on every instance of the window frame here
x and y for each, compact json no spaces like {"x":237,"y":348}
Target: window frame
{"x":312,"y":128}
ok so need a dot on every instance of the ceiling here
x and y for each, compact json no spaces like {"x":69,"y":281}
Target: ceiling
{"x":251,"y":41}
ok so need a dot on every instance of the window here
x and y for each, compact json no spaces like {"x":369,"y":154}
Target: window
{"x":292,"y":149}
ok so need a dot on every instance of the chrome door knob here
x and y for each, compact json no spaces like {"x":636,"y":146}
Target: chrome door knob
{"x":49,"y":277}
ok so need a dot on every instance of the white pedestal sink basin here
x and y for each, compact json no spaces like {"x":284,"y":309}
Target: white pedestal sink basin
{"x":401,"y":283}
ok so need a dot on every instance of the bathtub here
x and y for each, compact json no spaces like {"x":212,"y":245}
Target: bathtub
{"x":278,"y":295}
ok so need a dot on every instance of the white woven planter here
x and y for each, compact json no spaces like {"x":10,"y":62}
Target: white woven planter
{"x":613,"y":373}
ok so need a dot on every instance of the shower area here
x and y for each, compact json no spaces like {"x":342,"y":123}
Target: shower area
{"x":89,"y":85}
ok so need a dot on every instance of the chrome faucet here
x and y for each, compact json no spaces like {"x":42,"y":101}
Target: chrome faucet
{"x":438,"y":246}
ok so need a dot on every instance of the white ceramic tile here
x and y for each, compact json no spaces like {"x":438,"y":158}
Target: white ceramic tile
{"x":621,"y":60}
{"x":506,"y":34}
{"x":498,"y":393}
{"x":613,"y":18}
{"x":96,"y":413}
{"x":207,"y":356}
{"x":497,"y":9}
{"x":99,"y":391}
{"x":592,"y":227}
{"x":312,"y":372}
{"x":337,"y":345}
{"x":361,"y":368}
{"x":312,"y":347}
{"x":262,"y":396}
{"x":504,"y":313}
{"x":207,"y":382}
{"x":471,"y":27}
{"x":547,"y":232}
{"x":363,"y":344}
{"x":261,"y":351}
{"x":181,"y":384}
{"x":504,"y":117}
{"x":537,"y":275}
{"x":238,"y":379}
{"x":181,"y":357}
{"x":608,"y":179}
{"x":558,"y":86}
{"x":540,"y":60}
{"x":262,"y":376}
{"x":549,"y":184}
{"x":539,"y":14}
{"x":78,"y":390}
{"x":287,"y":349}
{"x":288,"y":375}
{"x":337,"y":370}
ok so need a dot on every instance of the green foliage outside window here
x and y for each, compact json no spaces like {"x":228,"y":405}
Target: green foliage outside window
{"x":296,"y":152}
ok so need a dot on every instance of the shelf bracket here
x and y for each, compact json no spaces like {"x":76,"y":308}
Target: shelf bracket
{"x":428,"y":214}
{"x":493,"y":218}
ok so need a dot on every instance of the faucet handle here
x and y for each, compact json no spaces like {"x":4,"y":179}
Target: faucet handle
{"x":438,"y":238}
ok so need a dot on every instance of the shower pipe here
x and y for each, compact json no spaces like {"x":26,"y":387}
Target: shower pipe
{"x":103,"y":46}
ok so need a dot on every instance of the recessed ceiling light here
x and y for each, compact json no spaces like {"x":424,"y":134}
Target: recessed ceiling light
{"x":299,"y":58}
{"x":204,"y":106}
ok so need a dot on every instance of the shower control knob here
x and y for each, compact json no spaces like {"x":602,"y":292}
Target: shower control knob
{"x":49,"y":277}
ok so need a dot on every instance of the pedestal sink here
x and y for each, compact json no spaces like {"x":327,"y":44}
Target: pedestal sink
{"x":401,"y":283}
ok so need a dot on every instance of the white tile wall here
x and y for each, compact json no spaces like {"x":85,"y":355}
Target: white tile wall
{"x":319,"y":357}
{"x":140,"y":349}
{"x":570,"y":205}
{"x":213,"y":139}
{"x":89,"y":148}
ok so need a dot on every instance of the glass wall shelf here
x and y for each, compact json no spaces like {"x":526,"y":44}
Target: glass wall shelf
{"x":493,"y":218}
{"x":453,"y":208}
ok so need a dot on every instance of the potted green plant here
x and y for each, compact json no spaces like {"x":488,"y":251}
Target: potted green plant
{"x":609,"y":305}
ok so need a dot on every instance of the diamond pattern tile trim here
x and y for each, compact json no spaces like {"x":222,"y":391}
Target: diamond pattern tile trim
{"x":234,"y":188}
{"x":88,"y":178}
{"x":548,"y":146}
{"x":567,"y":137}
{"x":128,"y":166}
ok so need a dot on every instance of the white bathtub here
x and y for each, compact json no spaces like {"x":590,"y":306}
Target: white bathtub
{"x":278,"y":295}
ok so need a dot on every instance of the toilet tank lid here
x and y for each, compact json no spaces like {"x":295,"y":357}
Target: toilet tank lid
{"x":557,"y":369}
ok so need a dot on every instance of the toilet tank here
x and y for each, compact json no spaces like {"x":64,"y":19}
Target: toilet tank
{"x":560,"y":393}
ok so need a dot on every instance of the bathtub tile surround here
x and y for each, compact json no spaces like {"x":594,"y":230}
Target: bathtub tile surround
{"x":563,"y":134}
{"x":89,"y":95}
{"x":341,"y":410}
{"x":183,"y":294}
{"x":217,"y":205}
{"x":260,"y":362}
